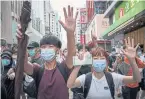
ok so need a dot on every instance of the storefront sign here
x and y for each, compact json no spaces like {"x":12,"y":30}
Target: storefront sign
{"x":82,"y":39}
{"x":138,"y":7}
{"x":124,"y":7}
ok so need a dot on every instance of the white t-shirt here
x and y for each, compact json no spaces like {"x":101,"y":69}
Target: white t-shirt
{"x":99,"y":88}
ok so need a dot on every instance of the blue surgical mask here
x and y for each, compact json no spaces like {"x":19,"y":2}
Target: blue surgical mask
{"x":48,"y":54}
{"x":139,"y":53}
{"x":99,"y":65}
{"x":31,"y":52}
{"x":5,"y":62}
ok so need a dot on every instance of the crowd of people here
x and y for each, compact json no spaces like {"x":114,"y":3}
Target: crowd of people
{"x":49,"y":72}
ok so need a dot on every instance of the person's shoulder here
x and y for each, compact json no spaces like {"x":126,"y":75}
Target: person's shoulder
{"x":62,"y":64}
{"x":114,"y":74}
{"x":82,"y":77}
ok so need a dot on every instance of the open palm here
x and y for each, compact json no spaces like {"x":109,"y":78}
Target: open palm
{"x":130,"y":51}
{"x":70,"y":22}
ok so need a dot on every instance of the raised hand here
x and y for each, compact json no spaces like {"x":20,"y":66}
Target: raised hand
{"x":70,"y":22}
{"x":19,"y":34}
{"x":130,"y":51}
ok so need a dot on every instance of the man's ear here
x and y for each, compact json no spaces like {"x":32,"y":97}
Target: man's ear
{"x":57,"y":51}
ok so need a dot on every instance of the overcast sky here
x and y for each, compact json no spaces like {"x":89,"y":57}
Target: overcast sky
{"x":58,"y":5}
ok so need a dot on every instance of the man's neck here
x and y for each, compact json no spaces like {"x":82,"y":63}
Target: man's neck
{"x":50,"y":65}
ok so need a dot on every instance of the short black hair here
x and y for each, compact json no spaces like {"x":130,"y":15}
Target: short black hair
{"x":33,"y":44}
{"x":8,"y":53}
{"x":50,"y":39}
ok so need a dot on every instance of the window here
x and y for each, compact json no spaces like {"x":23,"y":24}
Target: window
{"x":16,"y":7}
{"x":12,"y":6}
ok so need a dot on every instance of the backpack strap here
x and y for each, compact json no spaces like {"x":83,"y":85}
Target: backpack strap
{"x":63,"y":72}
{"x":87,"y":84}
{"x":110,"y":82}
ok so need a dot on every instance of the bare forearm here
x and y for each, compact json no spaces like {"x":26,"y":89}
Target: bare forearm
{"x":136,"y":73}
{"x":72,"y":77}
{"x":71,"y":49}
{"x":71,"y":44}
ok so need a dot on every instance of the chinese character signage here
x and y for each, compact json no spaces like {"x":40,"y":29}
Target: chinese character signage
{"x":83,"y":15}
{"x":125,"y":7}
{"x":105,"y":23}
{"x":121,"y":12}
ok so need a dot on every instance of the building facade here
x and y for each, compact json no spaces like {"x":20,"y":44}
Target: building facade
{"x":37,"y":25}
{"x":98,"y":25}
{"x":126,"y":20}
{"x":51,"y":18}
{"x":10,"y":12}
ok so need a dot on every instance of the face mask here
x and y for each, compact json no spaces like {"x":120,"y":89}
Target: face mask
{"x":139,"y":53}
{"x":31,"y":53}
{"x":48,"y":54}
{"x":99,"y":65}
{"x":5,"y":62}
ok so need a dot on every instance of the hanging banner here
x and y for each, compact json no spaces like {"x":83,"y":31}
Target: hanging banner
{"x":83,"y":15}
{"x":82,"y":39}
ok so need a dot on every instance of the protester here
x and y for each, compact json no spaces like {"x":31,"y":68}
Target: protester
{"x":34,"y":53}
{"x":78,"y":92}
{"x":14,"y":49}
{"x":6,"y":78}
{"x":65,"y":54}
{"x":129,"y":91}
{"x":112,"y":58}
{"x":98,"y":82}
{"x":141,"y":56}
{"x":120,"y":66}
{"x":54,"y":76}
{"x":3,"y":44}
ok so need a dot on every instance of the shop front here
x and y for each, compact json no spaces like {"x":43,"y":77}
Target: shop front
{"x":129,"y":22}
{"x":139,"y":37}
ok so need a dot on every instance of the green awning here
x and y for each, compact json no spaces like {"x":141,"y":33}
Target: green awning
{"x":134,"y":11}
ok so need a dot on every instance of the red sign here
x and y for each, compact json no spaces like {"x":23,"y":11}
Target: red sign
{"x":121,"y":12}
{"x":90,"y":9}
{"x":82,"y":39}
